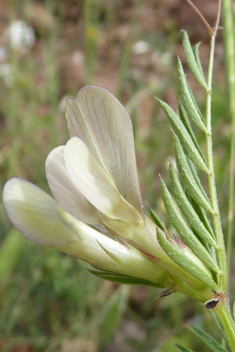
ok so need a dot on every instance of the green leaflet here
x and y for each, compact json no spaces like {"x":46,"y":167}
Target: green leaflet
{"x":188,"y":178}
{"x":122,"y":279}
{"x":156,"y":219}
{"x":192,"y":60}
{"x":214,"y":345}
{"x":233,"y":310}
{"x":195,"y":102}
{"x":197,"y":56}
{"x":195,"y":175}
{"x":185,"y":138}
{"x":185,"y":120}
{"x":187,"y":209}
{"x":185,"y":233}
{"x":219,"y":325}
{"x":183,"y":261}
{"x":182,"y":348}
{"x":187,"y":100}
{"x":202,"y":215}
{"x":199,"y":210}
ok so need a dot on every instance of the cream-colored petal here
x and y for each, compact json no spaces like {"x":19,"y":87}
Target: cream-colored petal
{"x":108,"y":254}
{"x":65,"y":191}
{"x":36,"y":214}
{"x":99,"y":119}
{"x":95,"y":184}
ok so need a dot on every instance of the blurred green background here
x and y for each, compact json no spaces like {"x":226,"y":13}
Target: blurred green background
{"x":48,"y":301}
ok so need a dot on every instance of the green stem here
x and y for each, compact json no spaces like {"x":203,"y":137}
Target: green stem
{"x":222,"y":310}
{"x":230,"y":68}
{"x":222,"y":259}
{"x":224,"y":315}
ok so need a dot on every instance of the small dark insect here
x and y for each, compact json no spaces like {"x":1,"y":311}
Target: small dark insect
{"x":212,"y":303}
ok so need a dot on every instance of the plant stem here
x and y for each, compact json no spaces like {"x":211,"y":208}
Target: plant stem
{"x":224,"y":315}
{"x":200,"y":15}
{"x":222,"y":310}
{"x":230,"y":68}
{"x":222,"y":259}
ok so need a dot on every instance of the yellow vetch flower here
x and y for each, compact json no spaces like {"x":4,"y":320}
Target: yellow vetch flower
{"x":97,"y":214}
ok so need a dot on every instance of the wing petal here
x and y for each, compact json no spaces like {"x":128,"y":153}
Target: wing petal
{"x":95,"y":184}
{"x":66,"y":192}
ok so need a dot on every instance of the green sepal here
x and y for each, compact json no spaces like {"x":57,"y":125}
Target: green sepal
{"x":156,"y":219}
{"x":185,"y":138}
{"x":187,"y":208}
{"x":187,"y":100}
{"x":183,"y":261}
{"x":111,"y":255}
{"x":122,"y":279}
{"x":182,"y":348}
{"x":197,"y":57}
{"x":188,"y":179}
{"x":193,"y":61}
{"x":184,"y":231}
{"x":214,"y":345}
{"x":184,"y":118}
{"x":195,"y":102}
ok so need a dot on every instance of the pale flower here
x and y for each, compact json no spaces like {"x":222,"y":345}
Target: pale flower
{"x":98,"y":214}
{"x":20,"y":35}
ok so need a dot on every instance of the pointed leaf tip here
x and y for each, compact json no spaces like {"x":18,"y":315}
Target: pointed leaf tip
{"x":192,"y":61}
{"x":188,"y":100}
